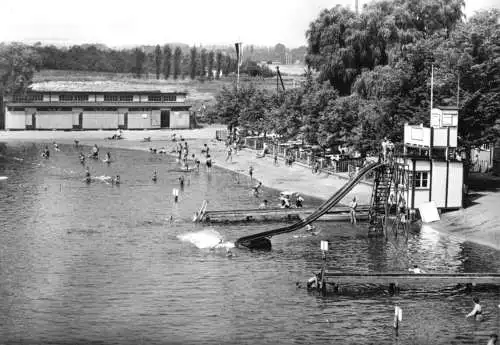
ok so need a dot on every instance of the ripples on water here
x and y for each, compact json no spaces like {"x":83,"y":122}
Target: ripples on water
{"x":97,"y":263}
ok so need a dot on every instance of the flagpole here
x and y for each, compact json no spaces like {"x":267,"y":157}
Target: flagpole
{"x":432,"y":96}
{"x":238,"y":75}
{"x":238,"y":54}
{"x":432,"y":84}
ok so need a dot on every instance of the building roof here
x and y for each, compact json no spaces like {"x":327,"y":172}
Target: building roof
{"x":105,"y":86}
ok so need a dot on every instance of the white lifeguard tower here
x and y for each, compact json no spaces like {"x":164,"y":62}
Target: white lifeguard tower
{"x":430,"y":168}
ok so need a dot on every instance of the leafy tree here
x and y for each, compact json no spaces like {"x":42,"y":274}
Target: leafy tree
{"x":210,"y":62}
{"x":140,"y":58}
{"x":18,"y":63}
{"x":158,"y":60}
{"x":219,"y":64}
{"x":203,"y":62}
{"x":478,"y":66}
{"x":193,"y":63}
{"x":167,"y":61}
{"x":177,"y":62}
{"x":342,"y":44}
{"x":315,"y":99}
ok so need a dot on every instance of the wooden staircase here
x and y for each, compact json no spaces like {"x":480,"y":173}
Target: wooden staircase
{"x":380,"y":197}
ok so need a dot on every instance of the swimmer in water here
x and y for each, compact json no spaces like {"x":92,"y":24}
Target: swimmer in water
{"x":88,"y":179}
{"x":155,"y":176}
{"x":107,"y":158}
{"x":416,"y":270}
{"x":46,"y":152}
{"x":116,"y":180}
{"x":95,"y":152}
{"x":181,"y":181}
{"x":82,"y":158}
{"x":477,"y":311}
{"x":56,"y":147}
{"x":309,"y":227}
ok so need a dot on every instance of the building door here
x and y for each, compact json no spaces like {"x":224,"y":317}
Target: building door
{"x":165,"y":119}
{"x":125,"y":120}
{"x":33,"y":121}
{"x":77,"y":120}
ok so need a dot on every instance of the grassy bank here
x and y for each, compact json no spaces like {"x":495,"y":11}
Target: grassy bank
{"x":198,"y":91}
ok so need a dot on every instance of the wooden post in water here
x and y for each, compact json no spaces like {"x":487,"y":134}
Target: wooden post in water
{"x":324,"y":249}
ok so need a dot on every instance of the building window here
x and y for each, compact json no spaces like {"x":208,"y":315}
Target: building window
{"x":421,"y":179}
{"x":154,"y":98}
{"x":65,"y":98}
{"x":28,"y":98}
{"x":169,"y":98}
{"x":81,"y":98}
{"x":126,"y":98}
{"x":110,"y":98}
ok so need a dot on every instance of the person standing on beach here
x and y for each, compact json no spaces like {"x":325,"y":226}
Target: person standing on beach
{"x":250,"y":172}
{"x":229,"y":154}
{"x":384,"y":148}
{"x":299,"y":201}
{"x":235,"y":147}
{"x":205,"y":150}
{"x":275,"y":159}
{"x":352,"y":210}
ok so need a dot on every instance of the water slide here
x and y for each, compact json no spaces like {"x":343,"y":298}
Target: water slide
{"x":261,"y":240}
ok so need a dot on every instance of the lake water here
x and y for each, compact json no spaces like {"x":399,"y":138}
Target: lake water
{"x":103,"y":264}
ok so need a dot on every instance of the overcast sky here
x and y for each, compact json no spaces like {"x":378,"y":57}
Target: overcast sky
{"x":206,"y":22}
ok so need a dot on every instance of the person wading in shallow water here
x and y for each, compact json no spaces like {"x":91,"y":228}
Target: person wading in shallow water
{"x":257,"y":188}
{"x":352,"y":210}
{"x":209,"y":163}
{"x":477,"y":312}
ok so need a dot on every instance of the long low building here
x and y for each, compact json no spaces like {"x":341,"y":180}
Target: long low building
{"x":79,"y":106}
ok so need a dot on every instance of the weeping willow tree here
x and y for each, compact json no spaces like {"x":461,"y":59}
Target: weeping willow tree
{"x":341,"y":44}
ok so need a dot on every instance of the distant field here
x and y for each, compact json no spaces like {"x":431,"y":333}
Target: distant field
{"x":198,"y":92}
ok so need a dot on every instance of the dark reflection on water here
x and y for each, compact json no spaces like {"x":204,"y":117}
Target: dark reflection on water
{"x":97,"y":263}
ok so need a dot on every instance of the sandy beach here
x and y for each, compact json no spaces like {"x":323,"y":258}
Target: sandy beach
{"x":478,"y":223}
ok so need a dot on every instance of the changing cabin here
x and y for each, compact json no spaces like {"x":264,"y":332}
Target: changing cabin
{"x":431,"y":168}
{"x":96,"y":105}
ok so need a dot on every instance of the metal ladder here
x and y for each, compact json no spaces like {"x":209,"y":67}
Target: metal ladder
{"x":379,"y":209}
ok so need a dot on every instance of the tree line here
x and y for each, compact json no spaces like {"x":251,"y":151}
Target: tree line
{"x":162,"y":61}
{"x":373,"y":76}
